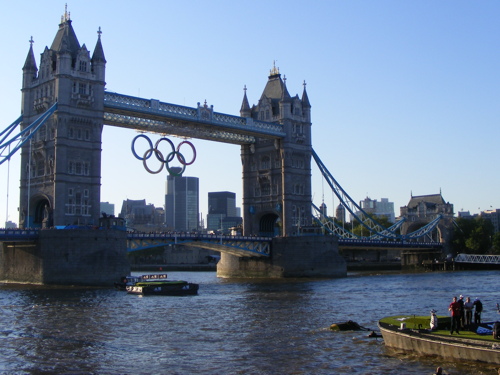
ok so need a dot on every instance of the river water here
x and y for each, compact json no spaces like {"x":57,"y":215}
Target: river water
{"x":230,"y":327}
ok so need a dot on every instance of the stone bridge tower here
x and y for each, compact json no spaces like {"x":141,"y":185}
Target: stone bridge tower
{"x":61,"y":166}
{"x":277,"y":173}
{"x":277,"y":193}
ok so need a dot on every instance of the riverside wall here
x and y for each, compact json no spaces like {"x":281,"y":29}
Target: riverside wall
{"x":66,"y":257}
{"x":305,"y":256}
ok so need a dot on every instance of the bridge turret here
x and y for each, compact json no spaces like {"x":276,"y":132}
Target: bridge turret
{"x":98,"y":59}
{"x":306,"y":106}
{"x":29,"y":69}
{"x":245,"y":110}
{"x":277,"y":173}
{"x":61,"y":168}
{"x":285,"y":103}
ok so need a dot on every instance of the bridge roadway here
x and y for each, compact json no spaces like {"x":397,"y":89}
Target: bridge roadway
{"x":151,"y":115}
{"x":242,"y":246}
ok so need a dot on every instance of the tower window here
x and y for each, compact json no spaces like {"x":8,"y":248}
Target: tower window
{"x":82,"y":88}
{"x":78,"y":167}
{"x":83,"y":66}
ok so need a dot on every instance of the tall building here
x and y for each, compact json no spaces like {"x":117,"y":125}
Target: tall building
{"x":340,"y":213}
{"x":67,"y":191}
{"x":181,"y":202}
{"x":222,"y":211}
{"x":382,"y":208}
{"x":494,"y":217}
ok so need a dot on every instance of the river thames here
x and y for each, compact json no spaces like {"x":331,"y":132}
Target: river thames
{"x":231,"y":326}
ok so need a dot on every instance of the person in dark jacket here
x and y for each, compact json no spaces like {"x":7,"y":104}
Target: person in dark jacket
{"x":478,"y":310}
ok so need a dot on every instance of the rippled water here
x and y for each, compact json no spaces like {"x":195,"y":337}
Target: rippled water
{"x":231,"y":327}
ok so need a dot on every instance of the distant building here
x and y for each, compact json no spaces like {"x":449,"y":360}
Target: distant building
{"x":107,"y":208}
{"x":138,"y":213}
{"x":10,"y":225}
{"x":382,"y":208}
{"x":323,"y":209}
{"x":222,"y":212}
{"x":340,"y":213}
{"x":181,"y":202}
{"x":421,"y":210}
{"x":494,"y":217}
{"x":464,"y":214}
{"x":426,"y":208}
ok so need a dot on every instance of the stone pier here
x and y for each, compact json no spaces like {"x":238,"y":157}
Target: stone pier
{"x":66,"y":257}
{"x":302,"y":256}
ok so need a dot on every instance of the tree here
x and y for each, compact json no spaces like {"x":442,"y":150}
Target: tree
{"x":472,"y":236}
{"x":496,"y":244}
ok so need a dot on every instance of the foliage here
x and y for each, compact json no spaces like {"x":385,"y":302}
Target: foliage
{"x":496,"y":244}
{"x":358,"y":229}
{"x":472,"y":236}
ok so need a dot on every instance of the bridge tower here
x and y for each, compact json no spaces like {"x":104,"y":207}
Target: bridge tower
{"x":277,"y":193}
{"x":61,"y":166}
{"x":277,"y":174}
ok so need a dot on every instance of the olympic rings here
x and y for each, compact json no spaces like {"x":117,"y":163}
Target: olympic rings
{"x":171,"y":145}
{"x":150,"y":147}
{"x":156,"y":151}
{"x":179,"y":154}
{"x":159,"y":155}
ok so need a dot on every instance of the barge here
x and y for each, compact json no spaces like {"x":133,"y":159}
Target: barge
{"x":406,"y":334}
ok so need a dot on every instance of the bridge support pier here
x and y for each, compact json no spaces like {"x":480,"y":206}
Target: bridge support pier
{"x":305,"y":256}
{"x":66,"y":257}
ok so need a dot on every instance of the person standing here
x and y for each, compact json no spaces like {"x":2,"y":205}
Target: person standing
{"x":479,"y":309}
{"x":462,"y":311}
{"x":456,"y":311}
{"x":468,"y":306}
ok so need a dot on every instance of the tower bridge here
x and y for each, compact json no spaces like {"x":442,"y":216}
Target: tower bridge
{"x":64,"y":108}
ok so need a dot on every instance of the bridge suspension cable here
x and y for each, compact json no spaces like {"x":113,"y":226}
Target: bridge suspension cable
{"x":354,"y":209}
{"x":18,"y":140}
{"x":376,"y":230}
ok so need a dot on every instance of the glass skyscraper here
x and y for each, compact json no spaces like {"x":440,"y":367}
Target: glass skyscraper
{"x":181,"y":202}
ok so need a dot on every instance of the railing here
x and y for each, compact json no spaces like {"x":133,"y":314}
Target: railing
{"x":19,"y":234}
{"x":477,"y":258}
{"x":202,"y":115}
{"x":392,"y":244}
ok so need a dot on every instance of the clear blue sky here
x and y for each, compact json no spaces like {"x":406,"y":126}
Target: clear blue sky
{"x":404,"y":94}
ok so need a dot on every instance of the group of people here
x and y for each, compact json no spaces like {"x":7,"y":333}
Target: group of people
{"x":461,"y":313}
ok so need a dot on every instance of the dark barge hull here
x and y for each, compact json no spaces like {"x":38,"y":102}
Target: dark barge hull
{"x":165,"y":290}
{"x":452,"y":347}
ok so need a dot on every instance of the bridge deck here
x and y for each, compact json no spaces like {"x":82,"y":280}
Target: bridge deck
{"x":151,"y":115}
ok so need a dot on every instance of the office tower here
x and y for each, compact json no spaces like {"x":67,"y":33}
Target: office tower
{"x":181,"y":202}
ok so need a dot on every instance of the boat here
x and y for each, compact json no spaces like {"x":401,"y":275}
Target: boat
{"x":127,"y":281}
{"x":160,"y":285}
{"x":408,"y":334}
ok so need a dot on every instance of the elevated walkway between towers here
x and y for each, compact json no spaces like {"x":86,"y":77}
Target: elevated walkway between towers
{"x":151,"y":115}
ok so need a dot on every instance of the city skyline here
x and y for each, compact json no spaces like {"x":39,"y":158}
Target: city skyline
{"x":404,"y":95}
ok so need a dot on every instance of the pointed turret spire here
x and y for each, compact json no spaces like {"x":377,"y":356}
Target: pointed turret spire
{"x":245,"y":110}
{"x":305,"y":98}
{"x":98,"y":54}
{"x":30,"y":63}
{"x":285,"y":96}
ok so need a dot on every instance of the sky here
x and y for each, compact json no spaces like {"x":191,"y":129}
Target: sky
{"x":404,"y":94}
